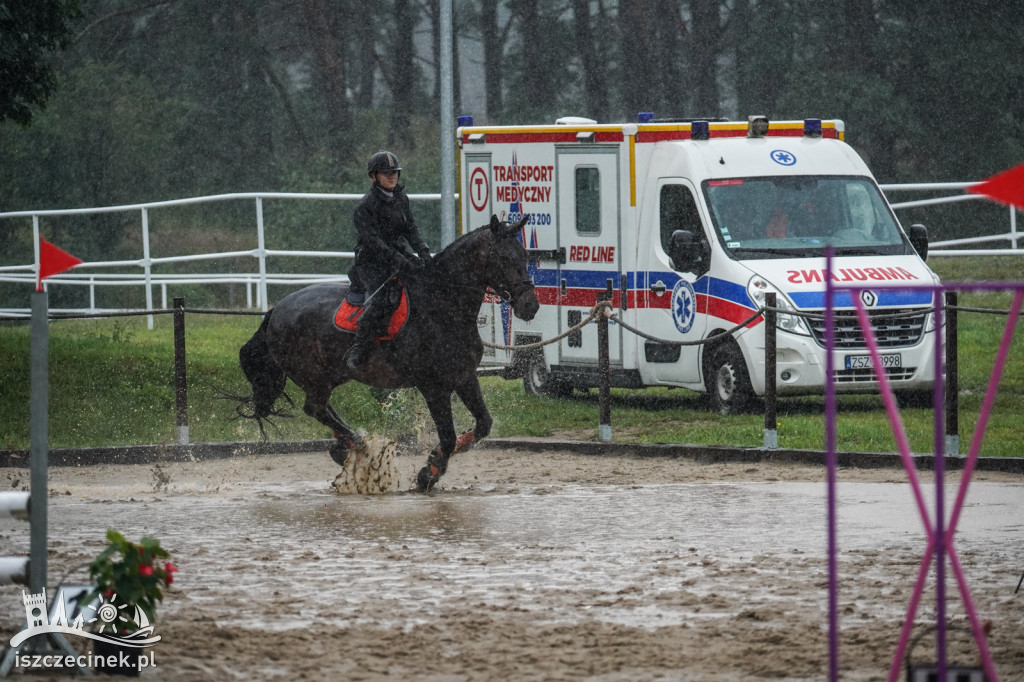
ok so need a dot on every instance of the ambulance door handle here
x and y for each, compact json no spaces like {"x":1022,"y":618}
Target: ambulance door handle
{"x":659,"y":287}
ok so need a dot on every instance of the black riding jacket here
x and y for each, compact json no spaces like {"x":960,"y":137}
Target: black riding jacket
{"x":386,"y":231}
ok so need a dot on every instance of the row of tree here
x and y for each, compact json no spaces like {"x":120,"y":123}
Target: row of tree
{"x":162,"y":99}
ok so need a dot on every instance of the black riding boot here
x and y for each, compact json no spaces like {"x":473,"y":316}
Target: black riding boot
{"x":373,"y":323}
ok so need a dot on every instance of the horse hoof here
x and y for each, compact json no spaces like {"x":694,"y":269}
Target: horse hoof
{"x":339,"y":451}
{"x":425,"y":480}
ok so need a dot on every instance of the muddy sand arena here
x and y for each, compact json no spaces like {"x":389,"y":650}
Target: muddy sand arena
{"x":529,"y":566}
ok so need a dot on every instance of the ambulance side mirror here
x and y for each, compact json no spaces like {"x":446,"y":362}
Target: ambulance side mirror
{"x":919,"y":240}
{"x":688,"y":252}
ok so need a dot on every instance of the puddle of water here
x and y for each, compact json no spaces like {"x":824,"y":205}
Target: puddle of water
{"x":279,"y":555}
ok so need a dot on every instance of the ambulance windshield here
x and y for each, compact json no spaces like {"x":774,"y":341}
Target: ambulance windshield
{"x":783,"y":216}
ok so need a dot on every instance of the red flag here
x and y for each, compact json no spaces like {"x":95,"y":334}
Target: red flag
{"x":1006,"y":187}
{"x":53,"y":261}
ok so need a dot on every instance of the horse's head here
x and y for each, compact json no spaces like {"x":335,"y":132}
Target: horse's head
{"x":506,"y":268}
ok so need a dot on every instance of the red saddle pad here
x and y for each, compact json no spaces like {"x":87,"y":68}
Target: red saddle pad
{"x":347,"y":317}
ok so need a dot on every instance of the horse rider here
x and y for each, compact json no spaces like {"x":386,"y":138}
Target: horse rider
{"x":386,"y":233}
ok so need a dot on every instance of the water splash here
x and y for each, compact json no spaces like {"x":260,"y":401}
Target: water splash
{"x":370,"y":469}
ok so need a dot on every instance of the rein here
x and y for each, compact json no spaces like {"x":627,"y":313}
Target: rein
{"x":506,"y":293}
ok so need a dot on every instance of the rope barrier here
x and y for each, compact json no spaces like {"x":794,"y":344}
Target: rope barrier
{"x":699,"y":342}
{"x":594,"y":314}
{"x":991,"y":311}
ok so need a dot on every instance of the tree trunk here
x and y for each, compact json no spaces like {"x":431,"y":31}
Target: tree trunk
{"x":402,"y":76}
{"x":537,"y":80}
{"x":493,"y":55}
{"x":593,"y":68}
{"x":705,"y":39}
{"x":638,"y":82}
{"x":330,"y":73}
{"x":672,"y":93}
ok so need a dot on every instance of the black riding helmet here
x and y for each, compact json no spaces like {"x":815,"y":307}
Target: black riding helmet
{"x":383,"y":162}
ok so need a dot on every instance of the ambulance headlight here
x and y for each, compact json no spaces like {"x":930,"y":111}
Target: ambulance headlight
{"x":758,"y":287}
{"x":929,"y":323}
{"x":929,"y":320}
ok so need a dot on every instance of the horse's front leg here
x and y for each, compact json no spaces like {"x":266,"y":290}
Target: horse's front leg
{"x":440,"y":405}
{"x":318,"y":407}
{"x":473,"y":399}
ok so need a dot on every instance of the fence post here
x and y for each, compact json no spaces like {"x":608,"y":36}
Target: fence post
{"x":771,"y":431}
{"x":604,"y":429}
{"x":261,"y":292}
{"x":952,"y":377}
{"x":180,"y":379}
{"x":147,"y":265}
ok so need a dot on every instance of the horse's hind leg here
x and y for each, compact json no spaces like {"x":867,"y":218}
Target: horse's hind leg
{"x":318,"y":407}
{"x":473,"y":399}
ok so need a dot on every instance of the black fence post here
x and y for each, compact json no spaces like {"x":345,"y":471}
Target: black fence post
{"x":771,"y":431}
{"x":952,"y":377}
{"x":180,"y":381}
{"x":604,"y":429}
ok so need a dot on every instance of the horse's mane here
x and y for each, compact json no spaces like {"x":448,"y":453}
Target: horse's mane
{"x":453,"y":251}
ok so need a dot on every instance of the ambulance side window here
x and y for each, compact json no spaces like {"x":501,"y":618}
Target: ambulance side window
{"x":678,"y":212}
{"x":588,"y":200}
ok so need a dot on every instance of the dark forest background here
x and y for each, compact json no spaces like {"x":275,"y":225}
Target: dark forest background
{"x":165,"y":99}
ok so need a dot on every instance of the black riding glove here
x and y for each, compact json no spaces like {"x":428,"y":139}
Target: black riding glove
{"x":408,"y":265}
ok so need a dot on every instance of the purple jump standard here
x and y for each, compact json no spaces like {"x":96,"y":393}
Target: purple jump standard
{"x":939,"y":539}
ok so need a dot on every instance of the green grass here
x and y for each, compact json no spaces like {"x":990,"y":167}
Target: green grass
{"x":111,"y":383}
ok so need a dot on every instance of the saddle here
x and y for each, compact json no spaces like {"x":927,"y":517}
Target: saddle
{"x":347,"y":317}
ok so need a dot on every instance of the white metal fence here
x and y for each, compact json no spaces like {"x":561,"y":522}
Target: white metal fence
{"x":941,"y":248}
{"x":139,"y":272}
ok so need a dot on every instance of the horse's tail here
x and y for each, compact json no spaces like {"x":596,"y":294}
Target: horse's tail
{"x":265,"y":376}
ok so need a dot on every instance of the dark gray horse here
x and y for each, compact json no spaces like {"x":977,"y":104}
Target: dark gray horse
{"x":437,"y":351}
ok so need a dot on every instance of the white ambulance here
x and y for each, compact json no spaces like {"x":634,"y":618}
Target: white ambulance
{"x":688,"y":224}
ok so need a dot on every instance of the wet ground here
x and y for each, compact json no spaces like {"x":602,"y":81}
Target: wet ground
{"x":534,"y":566}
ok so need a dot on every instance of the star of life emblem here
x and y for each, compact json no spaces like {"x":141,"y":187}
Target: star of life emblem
{"x":684,"y":306}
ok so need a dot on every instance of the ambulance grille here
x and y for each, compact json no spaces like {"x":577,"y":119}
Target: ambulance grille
{"x":893,"y":327}
{"x":867,"y":375}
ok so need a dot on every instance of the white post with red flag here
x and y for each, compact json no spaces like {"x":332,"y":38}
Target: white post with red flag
{"x":52,"y":260}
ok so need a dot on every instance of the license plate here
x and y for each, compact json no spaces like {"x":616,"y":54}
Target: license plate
{"x":864,"y":361}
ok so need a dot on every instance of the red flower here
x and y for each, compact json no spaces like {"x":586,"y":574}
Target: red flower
{"x":170,"y":569}
{"x":145,"y":570}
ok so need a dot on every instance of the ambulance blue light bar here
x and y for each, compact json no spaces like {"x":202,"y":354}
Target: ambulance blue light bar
{"x":465,"y":121}
{"x":700,"y":130}
{"x":812,"y":127}
{"x":645,"y":117}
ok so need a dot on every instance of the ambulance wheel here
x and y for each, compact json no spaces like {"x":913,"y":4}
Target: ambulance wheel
{"x":538,"y":381}
{"x":728,"y":382}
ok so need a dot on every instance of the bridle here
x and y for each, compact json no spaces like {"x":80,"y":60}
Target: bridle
{"x":513,"y":290}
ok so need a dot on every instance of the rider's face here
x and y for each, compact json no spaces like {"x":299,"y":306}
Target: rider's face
{"x":387,"y":180}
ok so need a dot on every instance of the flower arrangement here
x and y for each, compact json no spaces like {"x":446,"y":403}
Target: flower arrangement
{"x":134,"y":575}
